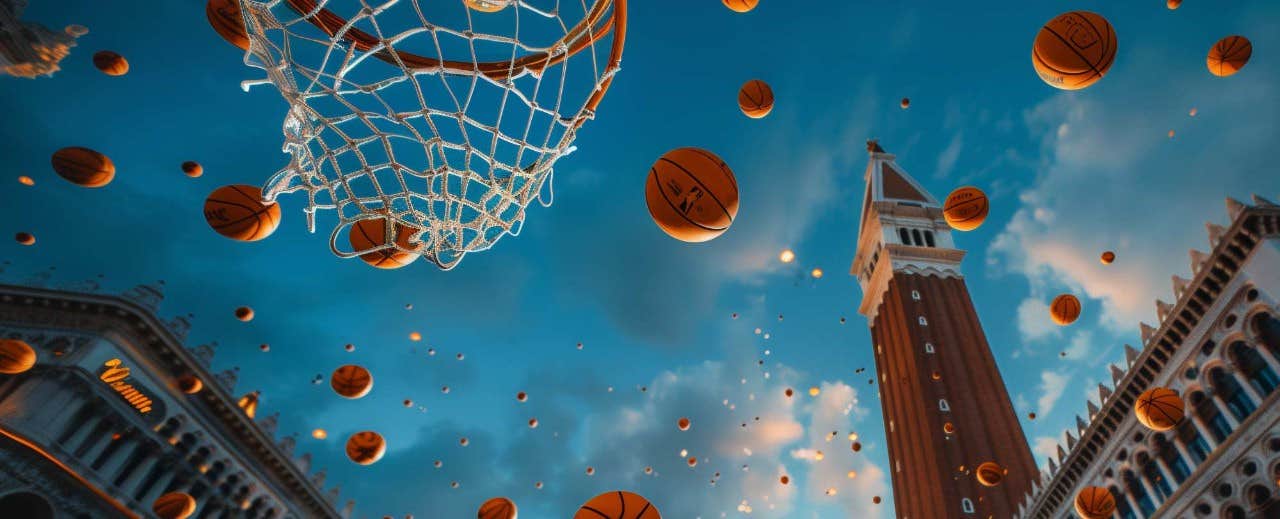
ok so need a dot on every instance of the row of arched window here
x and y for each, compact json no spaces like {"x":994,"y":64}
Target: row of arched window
{"x":917,"y":237}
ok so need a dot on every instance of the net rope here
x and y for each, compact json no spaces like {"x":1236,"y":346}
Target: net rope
{"x":431,"y":114}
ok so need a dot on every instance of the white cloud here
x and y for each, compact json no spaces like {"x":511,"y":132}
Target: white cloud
{"x":1052,"y":385}
{"x":1080,"y":346}
{"x":1033,"y":320}
{"x":947,"y":159}
{"x":1045,"y":447}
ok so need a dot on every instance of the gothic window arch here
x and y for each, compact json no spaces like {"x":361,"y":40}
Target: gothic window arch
{"x":1225,"y":386}
{"x":923,"y":321}
{"x":943,"y":405}
{"x":1122,"y":504}
{"x":1151,"y":472}
{"x":915,"y":295}
{"x":1166,"y":451}
{"x":904,"y":235}
{"x":1267,"y":329}
{"x":1134,"y":488}
{"x":966,"y":506}
{"x":928,"y":347}
{"x":915,"y":233}
{"x":1208,"y":412}
{"x":928,"y":239}
{"x":1253,"y":367}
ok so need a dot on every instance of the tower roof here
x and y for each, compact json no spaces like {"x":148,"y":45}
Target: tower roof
{"x":888,"y":182}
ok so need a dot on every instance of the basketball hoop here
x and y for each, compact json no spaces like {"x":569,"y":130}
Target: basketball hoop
{"x":454,"y":125}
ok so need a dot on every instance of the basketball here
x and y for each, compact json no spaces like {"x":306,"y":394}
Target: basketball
{"x":237,"y":212}
{"x":1107,"y":257}
{"x":1064,"y":309}
{"x":617,"y":505}
{"x":25,"y":238}
{"x":372,"y":234}
{"x":989,"y":474}
{"x":1159,"y":408}
{"x":741,"y":6}
{"x":110,"y":63}
{"x":192,"y":169}
{"x":497,"y":508}
{"x":366,"y":448}
{"x":1074,"y":50}
{"x":26,"y":181}
{"x":966,"y":208}
{"x":1095,"y":503}
{"x":83,"y":166}
{"x":692,"y":195}
{"x":224,"y":16}
{"x":351,"y":381}
{"x":174,"y":505}
{"x":683,"y":424}
{"x":1229,"y":55}
{"x":488,"y":6}
{"x":244,"y":314}
{"x":190,"y":384}
{"x":948,"y":428}
{"x":1173,"y":4}
{"x":755,"y":98}
{"x":16,"y":356}
{"x":906,"y":103}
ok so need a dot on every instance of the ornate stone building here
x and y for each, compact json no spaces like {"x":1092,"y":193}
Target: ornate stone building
{"x":99,"y":428}
{"x":1217,"y":345}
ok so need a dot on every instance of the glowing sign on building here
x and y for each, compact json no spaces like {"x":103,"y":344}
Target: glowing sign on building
{"x":114,"y":375}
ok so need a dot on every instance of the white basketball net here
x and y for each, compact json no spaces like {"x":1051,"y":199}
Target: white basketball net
{"x":429,"y":113}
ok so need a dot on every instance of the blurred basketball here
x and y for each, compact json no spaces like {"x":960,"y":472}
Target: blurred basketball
{"x":966,"y":208}
{"x":906,"y":103}
{"x":1159,"y":408}
{"x":613,"y":505}
{"x":16,"y":356}
{"x":989,"y":474}
{"x":1173,"y":4}
{"x":948,"y":428}
{"x":25,"y":238}
{"x":1064,"y":309}
{"x":875,"y":499}
{"x":683,"y":424}
{"x":190,"y":384}
{"x":366,"y":448}
{"x":367,"y":235}
{"x":237,"y":212}
{"x":83,"y":166}
{"x":1229,"y":55}
{"x":192,"y":169}
{"x":351,"y":381}
{"x":1074,"y":50}
{"x":174,"y":505}
{"x":244,"y":314}
{"x":1095,"y":503}
{"x":225,"y":18}
{"x":110,"y":63}
{"x":1107,"y":257}
{"x":741,"y":6}
{"x":488,"y":6}
{"x":26,"y":181}
{"x":755,"y":98}
{"x":497,"y":508}
{"x":692,"y":195}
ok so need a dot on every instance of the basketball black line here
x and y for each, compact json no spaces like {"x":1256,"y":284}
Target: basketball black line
{"x":1035,"y":54}
{"x":1105,"y":47}
{"x":646,"y":508}
{"x":1073,"y":49}
{"x":672,"y":205}
{"x":597,"y":512}
{"x":704,"y":187}
{"x":622,"y":505}
{"x":255,"y":199}
{"x":723,"y":166}
{"x":1225,"y":48}
{"x":67,"y":169}
{"x":1160,"y":406}
{"x":371,"y":241}
{"x":97,"y":165}
{"x":743,"y":92}
{"x":980,"y":214}
{"x":228,"y":202}
{"x":763,"y":90}
{"x":236,"y":221}
{"x":1111,"y":54}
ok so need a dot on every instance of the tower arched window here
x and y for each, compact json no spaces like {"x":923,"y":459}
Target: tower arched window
{"x":943,"y":405}
{"x":905,"y":235}
{"x":1173,"y":459}
{"x":923,"y":321}
{"x":915,"y":294}
{"x":1254,"y":368}
{"x":1139,"y":493}
{"x":915,"y":233}
{"x":928,"y":347}
{"x":1226,"y":387}
{"x":1268,"y":330}
{"x":1151,"y":472}
{"x":1211,"y":416}
{"x":928,"y":239}
{"x":1196,"y":446}
{"x":966,"y":506}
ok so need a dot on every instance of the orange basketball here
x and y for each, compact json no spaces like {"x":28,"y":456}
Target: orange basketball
{"x":373,"y":235}
{"x":1229,"y":55}
{"x":948,"y":428}
{"x":966,"y":208}
{"x":174,"y":505}
{"x":741,"y":6}
{"x":110,"y":63}
{"x":990,"y":474}
{"x":83,"y":166}
{"x":1064,"y":309}
{"x":190,"y":384}
{"x":225,"y":18}
{"x":351,"y":381}
{"x":1107,"y":257}
{"x":497,"y":508}
{"x":905,"y":103}
{"x":192,"y":169}
{"x":692,"y":194}
{"x":617,"y":505}
{"x":1074,"y":50}
{"x":1095,"y":503}
{"x":1173,"y":4}
{"x":683,"y":424}
{"x":244,"y":314}
{"x":25,"y":238}
{"x":237,"y":212}
{"x":366,"y":448}
{"x":488,"y":6}
{"x":16,"y":356}
{"x":755,"y":98}
{"x":1159,"y":408}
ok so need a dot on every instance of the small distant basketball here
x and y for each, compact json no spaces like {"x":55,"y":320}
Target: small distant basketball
{"x":755,"y":98}
{"x":1107,"y":257}
{"x":110,"y":63}
{"x":905,"y":103}
{"x":366,"y":448}
{"x":966,"y":208}
{"x":238,"y":212}
{"x":1173,"y":4}
{"x":741,"y":6}
{"x":1159,"y":408}
{"x":989,"y":474}
{"x":948,"y":428}
{"x":1229,"y":55}
{"x":190,"y":384}
{"x":618,"y":505}
{"x":16,"y":356}
{"x":26,"y":181}
{"x":244,"y":314}
{"x":683,"y":424}
{"x":488,"y":6}
{"x":174,"y":505}
{"x":225,"y":18}
{"x":25,"y":238}
{"x":1095,"y":503}
{"x":351,"y":381}
{"x":83,"y":166}
{"x":368,"y":235}
{"x":497,"y":508}
{"x":692,"y":195}
{"x":192,"y":169}
{"x":1064,"y":309}
{"x":1074,"y":50}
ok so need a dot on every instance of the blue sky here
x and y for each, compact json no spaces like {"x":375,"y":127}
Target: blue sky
{"x":1069,"y":174}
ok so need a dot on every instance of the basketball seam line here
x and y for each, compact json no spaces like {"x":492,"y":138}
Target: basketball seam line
{"x":1073,"y":49}
{"x":723,"y":167}
{"x":682,"y":215}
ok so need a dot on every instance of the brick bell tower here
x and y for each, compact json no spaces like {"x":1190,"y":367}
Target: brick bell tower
{"x":945,"y":406}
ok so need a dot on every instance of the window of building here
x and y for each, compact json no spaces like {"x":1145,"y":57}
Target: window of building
{"x":1209,"y":414}
{"x":915,"y":233}
{"x":928,"y":347}
{"x":879,"y":350}
{"x":915,"y":294}
{"x":928,"y":239}
{"x":923,"y":321}
{"x":1225,"y":386}
{"x":904,"y":235}
{"x":1160,"y":485}
{"x":966,"y":506}
{"x":890,"y":425}
{"x":943,"y":405}
{"x":1251,"y":364}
